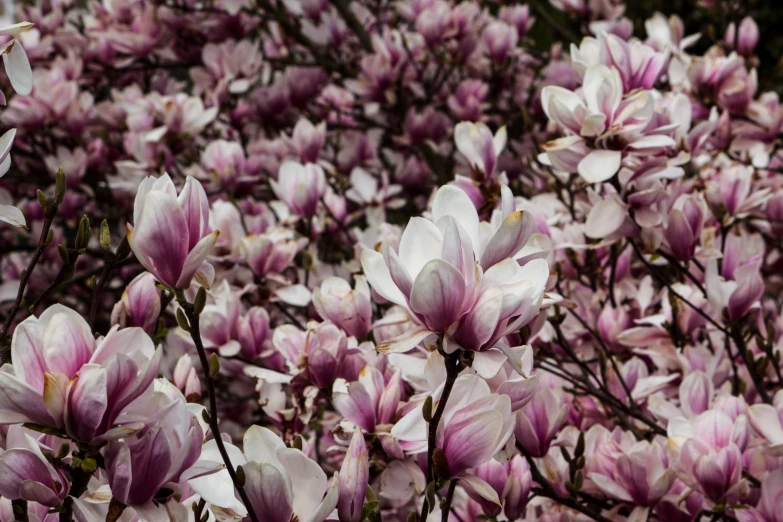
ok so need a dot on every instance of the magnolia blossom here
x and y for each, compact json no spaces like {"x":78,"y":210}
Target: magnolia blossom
{"x":300,"y":186}
{"x":475,"y":426}
{"x":308,"y":139}
{"x":63,"y":378}
{"x":353,"y":479}
{"x":171,"y":236}
{"x":370,"y":401}
{"x":604,"y":125}
{"x":455,"y":280}
{"x":641,"y":475}
{"x":349,"y":309}
{"x":477,"y":144}
{"x":140,"y":304}
{"x":25,"y":474}
{"x":710,"y":453}
{"x":282,"y":483}
{"x":162,"y":453}
{"x":269,"y":253}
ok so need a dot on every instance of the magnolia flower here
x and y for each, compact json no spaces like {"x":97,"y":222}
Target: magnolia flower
{"x":63,"y":378}
{"x":300,"y":186}
{"x":282,"y":483}
{"x":743,"y":39}
{"x":540,"y":420}
{"x":9,"y":213}
{"x":26,"y":474}
{"x":171,"y":236}
{"x":500,"y":39}
{"x":349,"y":309}
{"x":353,"y":478}
{"x":318,"y":353}
{"x":710,"y":450}
{"x":269,"y":253}
{"x":638,"y":64}
{"x":456,"y":282}
{"x":616,"y":125}
{"x":370,"y":401}
{"x":308,"y":139}
{"x":641,"y":475}
{"x":770,"y":506}
{"x":511,"y":480}
{"x":477,"y":144}
{"x":19,"y":72}
{"x":768,"y":421}
{"x":476,"y":424}
{"x":140,"y":304}
{"x":164,"y":452}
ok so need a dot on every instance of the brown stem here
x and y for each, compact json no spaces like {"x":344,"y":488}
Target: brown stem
{"x":452,"y":371}
{"x":51,"y":211}
{"x":447,"y":502}
{"x":344,"y":8}
{"x":195,"y":334}
{"x":547,"y":490}
{"x":747,"y":357}
{"x":676,"y":294}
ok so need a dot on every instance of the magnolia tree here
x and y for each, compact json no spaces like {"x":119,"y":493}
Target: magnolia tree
{"x":296,"y":261}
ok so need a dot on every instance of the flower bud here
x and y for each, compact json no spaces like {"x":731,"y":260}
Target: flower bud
{"x":539,"y":421}
{"x":300,"y":186}
{"x":349,"y":309}
{"x":500,"y":39}
{"x":354,"y":477}
{"x":308,"y":139}
{"x":140,"y":304}
{"x":171,"y":236}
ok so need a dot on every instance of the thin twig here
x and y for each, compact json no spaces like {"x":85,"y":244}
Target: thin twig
{"x":344,"y":8}
{"x":195,"y":334}
{"x":452,"y":371}
{"x":51,"y":211}
{"x":547,"y":490}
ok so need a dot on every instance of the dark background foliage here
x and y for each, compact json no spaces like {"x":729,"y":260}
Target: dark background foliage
{"x":711,"y":22}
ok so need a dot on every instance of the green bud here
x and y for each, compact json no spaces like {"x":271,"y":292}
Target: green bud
{"x":214,"y":365}
{"x":65,"y":448}
{"x":200,"y":301}
{"x":83,"y":236}
{"x":63,"y":253}
{"x":440,"y":464}
{"x":42,"y":199}
{"x":580,"y":445}
{"x":430,"y":494}
{"x":105,"y":235}
{"x":89,"y":465}
{"x":182,"y":321}
{"x":427,"y":409}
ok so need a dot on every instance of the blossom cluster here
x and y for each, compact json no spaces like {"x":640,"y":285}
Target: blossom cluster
{"x":301,"y":260}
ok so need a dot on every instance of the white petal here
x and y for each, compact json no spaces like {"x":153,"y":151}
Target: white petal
{"x":380,"y":279}
{"x":600,"y":165}
{"x":454,"y":202}
{"x":17,"y":67}
{"x":13,"y":216}
{"x":604,"y":218}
